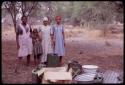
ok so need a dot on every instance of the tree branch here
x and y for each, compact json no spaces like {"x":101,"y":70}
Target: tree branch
{"x":23,"y":10}
{"x":34,"y":5}
{"x":12,"y":10}
{"x":8,"y":9}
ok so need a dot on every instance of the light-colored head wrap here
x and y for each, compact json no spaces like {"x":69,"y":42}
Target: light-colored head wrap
{"x":45,"y":19}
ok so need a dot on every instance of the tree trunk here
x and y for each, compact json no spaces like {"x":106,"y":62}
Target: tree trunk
{"x":15,"y":25}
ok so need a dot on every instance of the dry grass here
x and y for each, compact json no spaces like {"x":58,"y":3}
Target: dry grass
{"x":8,"y":34}
{"x":70,"y":31}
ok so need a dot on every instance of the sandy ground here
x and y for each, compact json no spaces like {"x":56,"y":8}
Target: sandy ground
{"x":83,"y":47}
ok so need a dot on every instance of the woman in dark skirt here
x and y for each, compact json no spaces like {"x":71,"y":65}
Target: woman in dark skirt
{"x":37,"y":47}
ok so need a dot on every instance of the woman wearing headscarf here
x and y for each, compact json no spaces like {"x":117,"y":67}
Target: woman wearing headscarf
{"x":58,"y":38}
{"x":44,"y":31}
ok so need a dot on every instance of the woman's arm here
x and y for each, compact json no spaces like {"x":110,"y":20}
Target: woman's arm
{"x":39,"y":34}
{"x":52,"y":36}
{"x":63,"y":35}
{"x":30,"y":32}
{"x":17,"y":40}
{"x":52,"y":40}
{"x":17,"y":37}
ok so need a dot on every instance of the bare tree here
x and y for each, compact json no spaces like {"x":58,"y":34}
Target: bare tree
{"x":13,"y":8}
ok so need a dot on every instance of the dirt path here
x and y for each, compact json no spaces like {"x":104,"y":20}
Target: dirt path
{"x":86,"y":50}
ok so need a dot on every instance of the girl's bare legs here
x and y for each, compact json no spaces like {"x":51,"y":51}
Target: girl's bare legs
{"x":38,"y":58}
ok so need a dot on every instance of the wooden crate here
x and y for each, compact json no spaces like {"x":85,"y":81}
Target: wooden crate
{"x":57,"y":75}
{"x":37,"y":76}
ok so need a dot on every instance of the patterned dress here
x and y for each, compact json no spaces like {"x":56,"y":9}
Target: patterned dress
{"x":37,"y":47}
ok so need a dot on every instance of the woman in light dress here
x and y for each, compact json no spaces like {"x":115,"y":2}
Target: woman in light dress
{"x":24,"y":41}
{"x":44,"y":32}
{"x":58,"y":38}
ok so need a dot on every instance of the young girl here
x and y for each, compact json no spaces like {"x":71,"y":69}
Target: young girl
{"x":37,"y":47}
